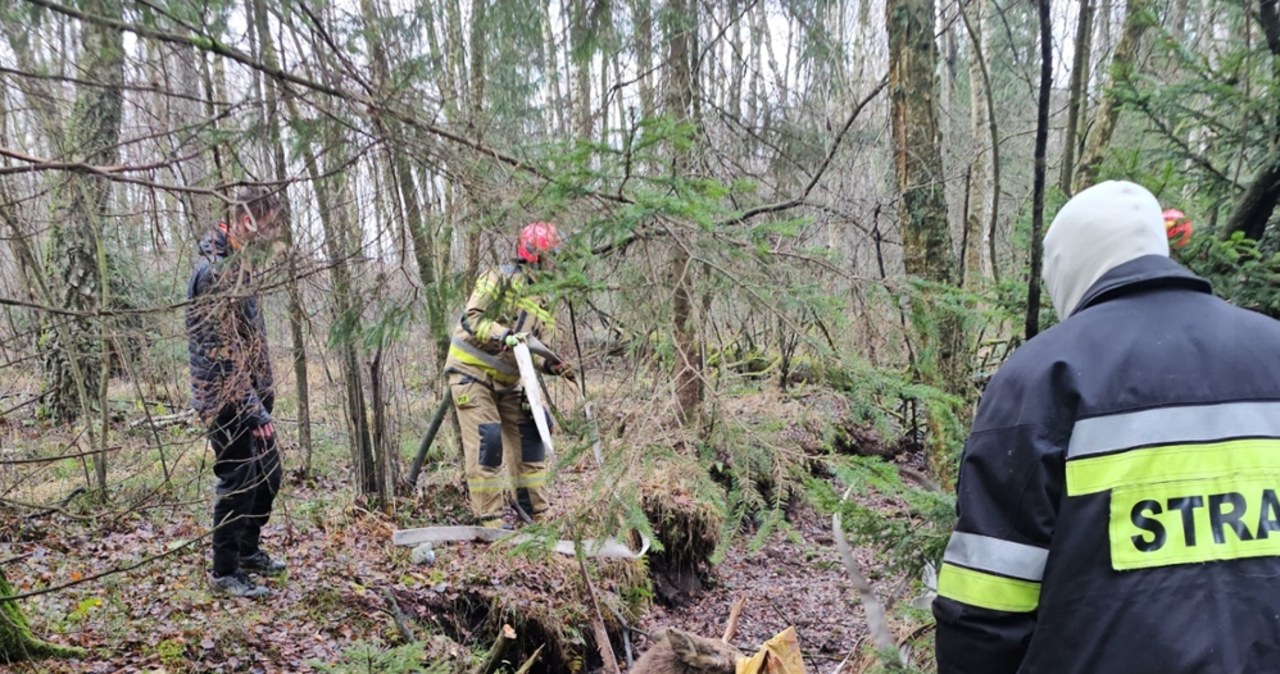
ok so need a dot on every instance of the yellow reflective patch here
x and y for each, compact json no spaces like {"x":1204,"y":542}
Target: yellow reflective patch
{"x":1168,"y":463}
{"x":987,"y":590}
{"x":532,"y":480}
{"x":467,"y":359}
{"x":1194,"y":521}
{"x":486,"y":484}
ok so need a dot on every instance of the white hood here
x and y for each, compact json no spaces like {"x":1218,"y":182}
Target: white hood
{"x":1096,"y":231}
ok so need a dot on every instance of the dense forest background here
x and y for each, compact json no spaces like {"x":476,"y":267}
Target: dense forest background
{"x":801,"y":236}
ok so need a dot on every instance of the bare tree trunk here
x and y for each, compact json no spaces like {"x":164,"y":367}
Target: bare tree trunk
{"x":477,"y":48}
{"x":756,"y":106}
{"x":298,"y":347}
{"x":679,"y":104}
{"x":1104,"y":39}
{"x":555,"y":117}
{"x":1037,"y":199}
{"x":986,"y":152}
{"x":91,"y":135}
{"x":76,"y":349}
{"x":333,"y":205}
{"x":582,"y":56}
{"x":922,"y":210}
{"x":1075,"y":108}
{"x":642,"y":14}
{"x":1137,"y":19}
{"x":401,"y":173}
{"x":1254,"y":209}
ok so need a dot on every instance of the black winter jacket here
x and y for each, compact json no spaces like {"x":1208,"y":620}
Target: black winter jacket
{"x":231,"y":378}
{"x":1117,"y":498}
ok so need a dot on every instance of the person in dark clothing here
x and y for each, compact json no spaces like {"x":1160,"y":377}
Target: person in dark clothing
{"x":1117,"y":496}
{"x":232,"y":389}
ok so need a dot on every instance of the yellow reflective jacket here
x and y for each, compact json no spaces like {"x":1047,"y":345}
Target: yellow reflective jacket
{"x":499,"y":304}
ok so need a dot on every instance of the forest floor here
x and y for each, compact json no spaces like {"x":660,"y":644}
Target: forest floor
{"x":333,"y":611}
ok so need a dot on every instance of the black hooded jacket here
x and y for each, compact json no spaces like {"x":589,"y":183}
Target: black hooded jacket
{"x":231,"y":380}
{"x":1118,"y":495}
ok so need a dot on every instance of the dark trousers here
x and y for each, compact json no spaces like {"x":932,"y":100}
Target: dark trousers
{"x":248,"y":471}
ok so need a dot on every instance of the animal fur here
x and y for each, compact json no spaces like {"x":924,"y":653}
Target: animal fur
{"x":676,"y":652}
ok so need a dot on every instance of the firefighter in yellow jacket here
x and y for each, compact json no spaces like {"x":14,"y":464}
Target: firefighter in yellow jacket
{"x":498,"y":430}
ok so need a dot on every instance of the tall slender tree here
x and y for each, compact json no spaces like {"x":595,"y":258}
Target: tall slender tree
{"x":1042,"y":144}
{"x":1138,"y":17}
{"x":678,"y":32}
{"x":922,"y":207}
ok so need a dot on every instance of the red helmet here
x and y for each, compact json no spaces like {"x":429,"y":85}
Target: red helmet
{"x":1178,"y":227}
{"x":537,"y":238}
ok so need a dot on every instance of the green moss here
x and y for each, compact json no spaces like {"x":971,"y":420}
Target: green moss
{"x":16,"y":641}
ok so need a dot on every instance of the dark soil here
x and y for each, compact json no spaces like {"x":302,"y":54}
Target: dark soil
{"x":787,"y":582}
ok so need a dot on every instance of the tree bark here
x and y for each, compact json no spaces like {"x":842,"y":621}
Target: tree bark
{"x":297,"y":313}
{"x":582,"y":55}
{"x":1042,"y":143}
{"x":922,"y":208}
{"x":1254,"y":209}
{"x":1136,"y":21}
{"x":333,"y":205}
{"x":477,"y":53}
{"x":679,"y":104}
{"x":73,"y":350}
{"x":1256,"y":205}
{"x":985,"y":160}
{"x":1075,"y":108}
{"x":401,"y":172}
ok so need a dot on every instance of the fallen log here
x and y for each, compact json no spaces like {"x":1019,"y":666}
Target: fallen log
{"x":164,"y":421}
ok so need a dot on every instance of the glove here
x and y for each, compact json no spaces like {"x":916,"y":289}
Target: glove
{"x":513,"y":338}
{"x":564,"y":370}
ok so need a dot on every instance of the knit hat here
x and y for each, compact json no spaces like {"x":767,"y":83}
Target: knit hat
{"x":1096,"y":231}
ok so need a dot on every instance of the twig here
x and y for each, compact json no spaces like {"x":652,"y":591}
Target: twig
{"x":840,"y":667}
{"x":920,"y":479}
{"x":877,"y":623}
{"x":59,"y":457}
{"x":626,"y":636}
{"x":398,"y":617}
{"x":528,"y":664}
{"x":597,"y":623}
{"x":731,"y":627}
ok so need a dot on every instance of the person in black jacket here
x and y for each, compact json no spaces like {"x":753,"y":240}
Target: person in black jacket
{"x":1117,"y":496}
{"x":232,"y":388}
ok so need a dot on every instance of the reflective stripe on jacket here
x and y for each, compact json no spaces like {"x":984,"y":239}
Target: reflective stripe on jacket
{"x":500,"y":303}
{"x":1117,"y":498}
